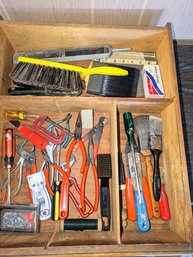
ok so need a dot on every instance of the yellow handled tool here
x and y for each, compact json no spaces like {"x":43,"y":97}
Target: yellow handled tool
{"x":103,"y":70}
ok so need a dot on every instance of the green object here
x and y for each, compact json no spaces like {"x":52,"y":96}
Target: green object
{"x":129,"y":127}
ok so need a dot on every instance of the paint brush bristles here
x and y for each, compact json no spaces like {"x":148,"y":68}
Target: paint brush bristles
{"x":155,"y":127}
{"x":141,"y":125}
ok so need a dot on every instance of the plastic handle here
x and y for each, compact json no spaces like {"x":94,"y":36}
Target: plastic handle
{"x":149,"y":172}
{"x":105,"y":203}
{"x":130,"y":200}
{"x":129,"y":127}
{"x":164,"y":205}
{"x":56,"y":201}
{"x":143,"y":223}
{"x":64,"y":193}
{"x":103,"y":70}
{"x":156,"y":175}
{"x":34,"y":138}
{"x":95,"y":173}
{"x":82,"y":188}
{"x":145,"y":188}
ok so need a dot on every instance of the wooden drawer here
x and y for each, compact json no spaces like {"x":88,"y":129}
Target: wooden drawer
{"x":164,"y":237}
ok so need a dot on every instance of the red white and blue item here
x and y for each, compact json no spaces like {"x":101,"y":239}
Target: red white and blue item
{"x":152,"y":82}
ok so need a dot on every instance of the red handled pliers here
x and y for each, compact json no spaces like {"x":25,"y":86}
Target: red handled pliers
{"x":90,"y":160}
{"x":77,"y":139}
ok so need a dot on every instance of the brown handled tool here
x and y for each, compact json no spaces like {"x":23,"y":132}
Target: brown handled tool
{"x":149,"y":171}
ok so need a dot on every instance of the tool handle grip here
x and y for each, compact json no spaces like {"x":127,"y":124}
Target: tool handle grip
{"x":143,"y":223}
{"x":9,"y":147}
{"x":145,"y":188}
{"x":82,"y":188}
{"x":105,"y":203}
{"x":96,"y":181}
{"x":129,"y":127}
{"x":164,"y":205}
{"x":149,"y":173}
{"x":64,"y":193}
{"x":56,"y":200}
{"x":156,"y":175}
{"x":130,"y":200}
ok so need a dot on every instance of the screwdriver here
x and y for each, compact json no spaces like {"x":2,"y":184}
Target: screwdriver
{"x":18,"y":115}
{"x":56,"y":190}
{"x":9,"y":149}
{"x":141,"y":210}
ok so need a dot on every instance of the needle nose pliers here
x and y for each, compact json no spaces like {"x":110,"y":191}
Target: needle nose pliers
{"x":77,"y":139}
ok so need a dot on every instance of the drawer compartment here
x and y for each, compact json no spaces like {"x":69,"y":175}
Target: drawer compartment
{"x":54,"y":230}
{"x":162,"y":232}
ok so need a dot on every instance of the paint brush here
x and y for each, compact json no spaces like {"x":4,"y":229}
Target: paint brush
{"x":141,"y":124}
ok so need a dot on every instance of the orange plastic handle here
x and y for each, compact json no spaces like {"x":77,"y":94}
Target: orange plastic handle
{"x":83,"y":150}
{"x":164,"y":205}
{"x":145,"y":188}
{"x":130,"y":200}
{"x":64,"y":199}
{"x":82,"y":188}
{"x":83,"y":185}
{"x":33,"y":169}
{"x":46,"y":173}
{"x":155,"y":204}
{"x":96,"y":188}
{"x":69,"y":152}
{"x":68,"y":155}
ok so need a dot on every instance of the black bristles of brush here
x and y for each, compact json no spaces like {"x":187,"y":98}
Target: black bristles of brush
{"x":104,"y":173}
{"x":52,"y":80}
{"x":114,"y":86}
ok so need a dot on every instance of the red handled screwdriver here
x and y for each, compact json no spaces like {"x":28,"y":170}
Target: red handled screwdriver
{"x":9,"y":150}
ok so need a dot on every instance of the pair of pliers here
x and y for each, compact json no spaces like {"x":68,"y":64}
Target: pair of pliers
{"x":97,"y":133}
{"x":77,"y":139}
{"x":90,"y":160}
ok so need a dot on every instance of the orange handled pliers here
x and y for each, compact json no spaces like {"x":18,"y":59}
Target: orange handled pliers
{"x":90,"y":160}
{"x":77,"y":139}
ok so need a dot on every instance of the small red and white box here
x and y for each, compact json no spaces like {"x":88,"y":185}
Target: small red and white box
{"x":152,"y":82}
